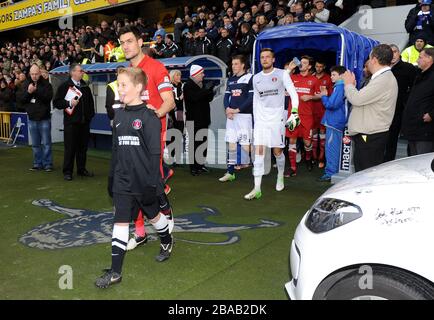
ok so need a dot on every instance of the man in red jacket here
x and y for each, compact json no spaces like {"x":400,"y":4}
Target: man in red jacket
{"x":305,"y":84}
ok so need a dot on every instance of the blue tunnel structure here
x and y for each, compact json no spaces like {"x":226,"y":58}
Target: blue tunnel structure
{"x":333,"y":44}
{"x":327,"y":42}
{"x":100,"y":74}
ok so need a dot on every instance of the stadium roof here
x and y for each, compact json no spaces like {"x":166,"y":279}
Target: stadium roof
{"x":214,"y":67}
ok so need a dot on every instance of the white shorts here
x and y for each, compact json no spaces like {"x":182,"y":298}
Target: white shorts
{"x":271,"y":135}
{"x":239,"y":129}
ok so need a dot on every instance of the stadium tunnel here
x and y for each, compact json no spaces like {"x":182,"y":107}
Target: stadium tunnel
{"x":100,"y":74}
{"x":327,"y":42}
{"x":332,"y":44}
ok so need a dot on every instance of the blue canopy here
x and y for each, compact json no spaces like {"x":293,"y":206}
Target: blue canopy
{"x":328,"y":42}
{"x":215,"y":69}
{"x":103,"y":73}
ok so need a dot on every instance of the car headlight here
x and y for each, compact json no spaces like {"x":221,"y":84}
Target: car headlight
{"x":327,"y":214}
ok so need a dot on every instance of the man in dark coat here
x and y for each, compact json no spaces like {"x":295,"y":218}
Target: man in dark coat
{"x":245,"y":47}
{"x":197,"y":97}
{"x":418,"y":125}
{"x":420,"y":20}
{"x":106,"y":34}
{"x":202,"y":44}
{"x":225,"y":47}
{"x":78,"y":112}
{"x":35,"y":97}
{"x":405,"y":74}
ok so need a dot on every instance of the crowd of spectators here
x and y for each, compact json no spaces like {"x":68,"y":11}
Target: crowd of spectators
{"x":218,"y":30}
{"x":221,"y":30}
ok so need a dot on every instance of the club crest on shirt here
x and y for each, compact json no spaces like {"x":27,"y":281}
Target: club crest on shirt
{"x":274,"y":79}
{"x":237,"y":92}
{"x":137,"y":124}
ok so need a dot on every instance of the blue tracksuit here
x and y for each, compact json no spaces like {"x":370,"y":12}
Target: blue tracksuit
{"x":335,"y":119}
{"x":239,"y":95}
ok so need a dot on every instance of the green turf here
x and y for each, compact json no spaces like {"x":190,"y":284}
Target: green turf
{"x":254,"y":268}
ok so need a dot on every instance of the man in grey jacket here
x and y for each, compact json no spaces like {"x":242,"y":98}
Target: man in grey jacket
{"x":373,"y":108}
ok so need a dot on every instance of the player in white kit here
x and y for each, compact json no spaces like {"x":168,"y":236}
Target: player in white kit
{"x":269,"y":118}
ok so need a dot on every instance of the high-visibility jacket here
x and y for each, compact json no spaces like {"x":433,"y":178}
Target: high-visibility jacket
{"x":108,"y":50}
{"x":411,"y":54}
{"x":85,"y":75}
{"x":112,"y":99}
{"x":118,"y":55}
{"x":116,"y":102}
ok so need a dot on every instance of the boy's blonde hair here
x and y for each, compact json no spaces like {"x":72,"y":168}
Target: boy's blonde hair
{"x":136,"y":75}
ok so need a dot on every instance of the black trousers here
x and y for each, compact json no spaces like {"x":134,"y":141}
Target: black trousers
{"x":76,"y":140}
{"x":369,"y":150}
{"x":197,"y":159}
{"x":420,"y":147}
{"x":392,"y":140}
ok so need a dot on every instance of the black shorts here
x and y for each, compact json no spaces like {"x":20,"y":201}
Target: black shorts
{"x":127,"y":207}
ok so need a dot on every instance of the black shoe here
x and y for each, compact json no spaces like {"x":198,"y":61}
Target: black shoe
{"x":35,"y":169}
{"x":194,"y":172}
{"x":203,"y":169}
{"x":165,"y":250}
{"x":107,"y":279}
{"x":309,"y":165}
{"x":67,"y":177}
{"x":85,"y":173}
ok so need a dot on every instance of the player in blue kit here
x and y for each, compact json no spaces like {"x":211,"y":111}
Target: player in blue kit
{"x":238,"y":102}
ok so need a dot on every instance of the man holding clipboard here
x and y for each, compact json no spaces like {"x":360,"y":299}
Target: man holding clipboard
{"x":75,"y":98}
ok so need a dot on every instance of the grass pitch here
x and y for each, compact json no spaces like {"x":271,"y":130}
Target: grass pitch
{"x":255,"y":267}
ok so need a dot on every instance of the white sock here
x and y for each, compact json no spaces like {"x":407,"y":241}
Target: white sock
{"x":162,"y":224}
{"x":258,"y":171}
{"x":280,"y":161}
{"x":162,"y":227}
{"x":120,"y":236}
{"x":258,"y":181}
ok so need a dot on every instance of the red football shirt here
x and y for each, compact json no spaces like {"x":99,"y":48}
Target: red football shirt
{"x":158,"y":81}
{"x":324,"y":81}
{"x":304,"y":85}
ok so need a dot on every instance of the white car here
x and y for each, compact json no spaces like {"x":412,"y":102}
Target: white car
{"x":371,"y":236}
